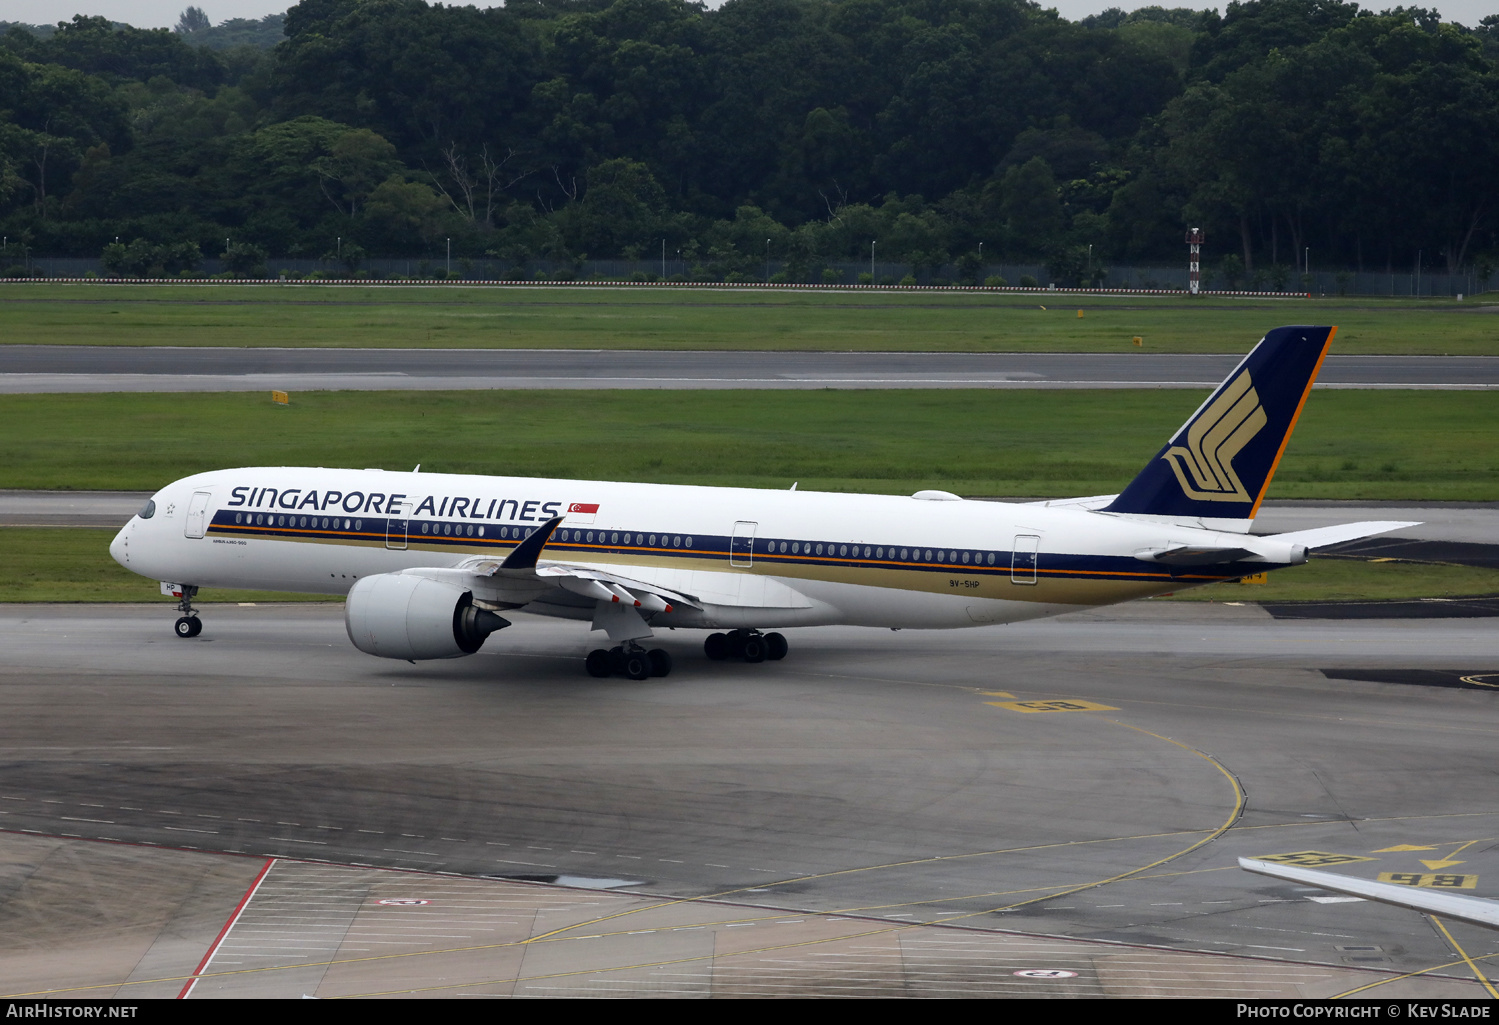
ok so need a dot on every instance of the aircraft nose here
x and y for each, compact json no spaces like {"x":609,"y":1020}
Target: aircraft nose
{"x":119,"y":548}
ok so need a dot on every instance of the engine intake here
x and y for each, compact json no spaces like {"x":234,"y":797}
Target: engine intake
{"x":400,"y":615}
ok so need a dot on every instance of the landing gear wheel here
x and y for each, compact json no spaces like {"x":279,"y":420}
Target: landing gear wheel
{"x":617,"y":659}
{"x":189,"y":625}
{"x":597,"y":663}
{"x":716,"y":647}
{"x":636,"y":665}
{"x":660,"y":660}
{"x":753,"y":648}
{"x":736,"y":643}
{"x":776,"y":647}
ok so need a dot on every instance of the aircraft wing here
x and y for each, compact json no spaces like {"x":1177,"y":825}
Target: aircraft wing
{"x":618,"y":598}
{"x":1478,"y":910}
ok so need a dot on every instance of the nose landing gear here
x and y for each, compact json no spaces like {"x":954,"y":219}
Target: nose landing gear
{"x":188,"y":625}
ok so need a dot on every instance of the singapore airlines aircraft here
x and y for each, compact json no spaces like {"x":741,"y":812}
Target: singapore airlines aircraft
{"x":429,"y":561}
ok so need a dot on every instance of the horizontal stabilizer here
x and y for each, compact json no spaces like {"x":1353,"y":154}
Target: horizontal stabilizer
{"x":1321,"y":537}
{"x":1088,"y":502}
{"x":1478,"y":910}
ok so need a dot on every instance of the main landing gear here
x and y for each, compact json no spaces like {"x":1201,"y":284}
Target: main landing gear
{"x":189,"y":625}
{"x":628,"y":660}
{"x":750,"y":645}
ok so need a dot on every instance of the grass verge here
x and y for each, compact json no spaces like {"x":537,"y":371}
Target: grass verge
{"x":1334,"y":579}
{"x":1349,"y":444}
{"x":621,"y":318}
{"x":72,"y":564}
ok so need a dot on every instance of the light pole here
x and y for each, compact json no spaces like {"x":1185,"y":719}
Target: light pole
{"x":1306,"y":266}
{"x":767,"y":261}
{"x":663,"y":259}
{"x":448,"y":270}
{"x":871,"y":263}
{"x":1090,"y":263}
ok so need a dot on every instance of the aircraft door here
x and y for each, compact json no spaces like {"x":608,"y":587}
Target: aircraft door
{"x":197,"y":514}
{"x":742,"y":544}
{"x":395,"y":528}
{"x":1023,"y":561}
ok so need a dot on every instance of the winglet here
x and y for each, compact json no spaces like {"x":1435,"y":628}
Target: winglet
{"x":526,"y":553}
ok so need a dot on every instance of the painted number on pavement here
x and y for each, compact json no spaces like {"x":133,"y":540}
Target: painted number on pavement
{"x":1312,"y":859}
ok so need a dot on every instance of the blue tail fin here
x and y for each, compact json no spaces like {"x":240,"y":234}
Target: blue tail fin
{"x":1219,"y":464}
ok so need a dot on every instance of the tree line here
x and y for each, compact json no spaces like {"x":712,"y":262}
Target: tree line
{"x":926,"y":132}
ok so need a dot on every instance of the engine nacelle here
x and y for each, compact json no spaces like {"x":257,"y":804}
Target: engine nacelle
{"x":401,"y":615}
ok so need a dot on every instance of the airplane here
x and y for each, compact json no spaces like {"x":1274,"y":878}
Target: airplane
{"x":1476,"y":910}
{"x":427,"y":562}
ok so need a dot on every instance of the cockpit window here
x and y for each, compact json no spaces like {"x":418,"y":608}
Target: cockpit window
{"x":148,"y":510}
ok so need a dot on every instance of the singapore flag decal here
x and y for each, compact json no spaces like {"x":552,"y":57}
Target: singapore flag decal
{"x":582,"y":513}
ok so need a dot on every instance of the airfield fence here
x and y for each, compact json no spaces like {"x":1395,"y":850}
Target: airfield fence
{"x":1118,"y":276}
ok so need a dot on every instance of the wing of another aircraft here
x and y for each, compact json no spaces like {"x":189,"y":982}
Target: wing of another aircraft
{"x":1478,"y":910}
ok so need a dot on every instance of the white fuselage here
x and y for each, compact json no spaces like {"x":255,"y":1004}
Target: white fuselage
{"x":750,"y":558}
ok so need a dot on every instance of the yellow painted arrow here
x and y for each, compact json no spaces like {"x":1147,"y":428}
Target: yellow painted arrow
{"x":1401,"y":847}
{"x":1437,"y":866}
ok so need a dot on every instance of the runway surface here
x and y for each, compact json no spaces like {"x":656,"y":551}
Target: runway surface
{"x":876,"y":814}
{"x":79,"y":368}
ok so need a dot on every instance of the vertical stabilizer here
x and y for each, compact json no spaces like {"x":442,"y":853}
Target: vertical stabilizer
{"x":1219,"y":464}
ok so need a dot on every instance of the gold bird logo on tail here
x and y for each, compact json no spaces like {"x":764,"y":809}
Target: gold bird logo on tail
{"x":1204,"y":468}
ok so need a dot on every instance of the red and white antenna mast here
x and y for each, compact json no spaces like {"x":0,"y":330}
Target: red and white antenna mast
{"x":1194,"y":273}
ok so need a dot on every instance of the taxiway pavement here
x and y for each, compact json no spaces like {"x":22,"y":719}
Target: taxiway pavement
{"x":1091,"y":778}
{"x":83,"y":368}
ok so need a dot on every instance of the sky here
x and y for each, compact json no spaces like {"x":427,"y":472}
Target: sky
{"x":163,"y":13}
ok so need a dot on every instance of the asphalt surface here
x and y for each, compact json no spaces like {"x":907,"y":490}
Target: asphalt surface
{"x":79,"y":368}
{"x":871,"y":774}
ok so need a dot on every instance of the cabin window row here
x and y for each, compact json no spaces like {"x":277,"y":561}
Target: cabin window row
{"x":311,"y":522}
{"x":614,"y":537}
{"x":880,"y":552}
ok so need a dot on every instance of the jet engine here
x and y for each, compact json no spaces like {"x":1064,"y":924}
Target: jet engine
{"x":401,"y":615}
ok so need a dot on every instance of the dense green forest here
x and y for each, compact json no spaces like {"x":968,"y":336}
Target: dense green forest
{"x":803,"y":130}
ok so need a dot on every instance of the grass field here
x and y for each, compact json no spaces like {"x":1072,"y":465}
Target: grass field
{"x":1334,"y":579}
{"x":1349,"y":444}
{"x":42,"y":564}
{"x":68,"y":564}
{"x":625,"y":318}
